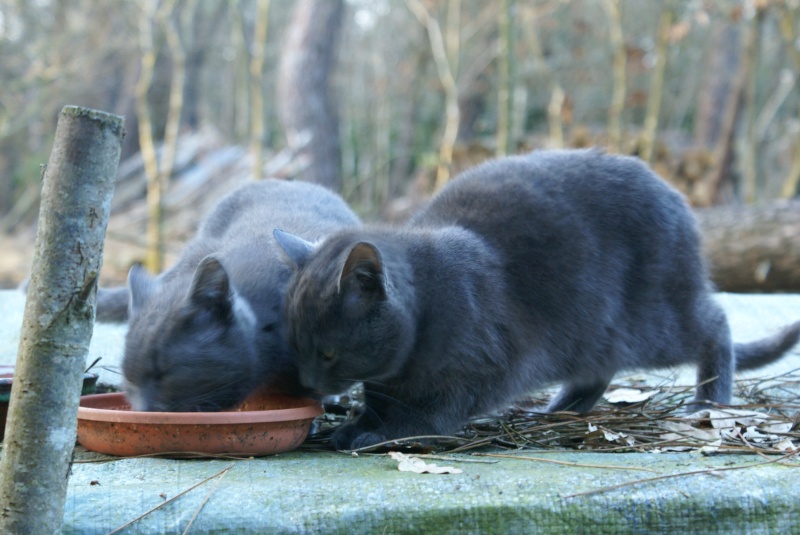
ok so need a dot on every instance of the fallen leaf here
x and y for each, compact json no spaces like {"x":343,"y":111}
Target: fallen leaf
{"x":785,"y":444}
{"x":713,"y":447}
{"x":727,"y":418}
{"x":613,"y":437}
{"x":779,"y":427}
{"x":407,"y":463}
{"x":682,"y":431}
{"x":629,"y":395}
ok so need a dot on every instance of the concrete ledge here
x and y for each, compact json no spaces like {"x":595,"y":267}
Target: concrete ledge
{"x":303,"y":492}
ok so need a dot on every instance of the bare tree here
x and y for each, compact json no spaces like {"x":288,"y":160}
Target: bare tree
{"x":306,"y":105}
{"x":58,"y":321}
{"x":158,"y":172}
{"x":448,"y":81}
{"x":654,"y":96}
{"x":256,"y":88}
{"x":504,"y":94}
{"x":612,"y":8}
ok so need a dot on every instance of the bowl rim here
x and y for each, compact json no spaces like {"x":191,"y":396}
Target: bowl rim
{"x":310,"y":409}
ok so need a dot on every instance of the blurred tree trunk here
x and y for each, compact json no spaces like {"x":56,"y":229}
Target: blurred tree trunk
{"x":147,"y":144}
{"x":257,"y":88}
{"x":201,"y":37}
{"x":448,"y":81}
{"x":747,"y":145}
{"x":505,"y":56}
{"x":656,"y":87}
{"x":786,"y":22}
{"x":555,"y":106}
{"x":618,"y":67}
{"x":719,"y":106}
{"x":158,"y":172}
{"x":58,"y":321}
{"x":306,"y":105}
{"x":753,"y":248}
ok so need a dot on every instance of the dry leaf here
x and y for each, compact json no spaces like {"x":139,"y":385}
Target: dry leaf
{"x":784,"y":445}
{"x":712,"y":447}
{"x":628,"y":395}
{"x":406,"y":463}
{"x":613,"y":437}
{"x":683,"y":431}
{"x":779,"y":427}
{"x":727,"y":418}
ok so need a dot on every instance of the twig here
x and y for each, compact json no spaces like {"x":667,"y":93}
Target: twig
{"x":565,"y":463}
{"x":681,"y":474}
{"x":397,"y":441}
{"x":205,"y":500}
{"x":159,"y":506}
{"x":453,"y":459}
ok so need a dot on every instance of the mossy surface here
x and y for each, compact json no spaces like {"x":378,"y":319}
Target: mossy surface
{"x":312,"y":492}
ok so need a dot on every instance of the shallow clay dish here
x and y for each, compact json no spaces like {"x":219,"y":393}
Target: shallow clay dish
{"x":7,"y":379}
{"x":262,"y":425}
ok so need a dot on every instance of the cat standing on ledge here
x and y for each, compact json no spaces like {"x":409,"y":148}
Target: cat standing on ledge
{"x":554,"y":267}
{"x":207,"y":332}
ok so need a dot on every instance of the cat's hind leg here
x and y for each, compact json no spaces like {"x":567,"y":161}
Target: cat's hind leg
{"x":715,"y":370}
{"x":711,"y":344}
{"x":579,"y":396}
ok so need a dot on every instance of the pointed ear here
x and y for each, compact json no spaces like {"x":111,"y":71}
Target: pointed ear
{"x":140,"y":286}
{"x":297,"y":249}
{"x":211,"y":288}
{"x":365,"y":265}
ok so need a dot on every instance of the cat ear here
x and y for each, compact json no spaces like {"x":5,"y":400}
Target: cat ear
{"x":297,"y":249}
{"x":211,"y":288}
{"x":140,"y":286}
{"x":365,"y":264}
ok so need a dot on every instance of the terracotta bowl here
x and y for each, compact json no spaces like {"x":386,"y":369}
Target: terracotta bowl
{"x":262,"y":425}
{"x":7,"y":379}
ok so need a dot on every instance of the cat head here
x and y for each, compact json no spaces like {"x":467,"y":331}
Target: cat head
{"x":348,"y":310}
{"x":190,"y":351}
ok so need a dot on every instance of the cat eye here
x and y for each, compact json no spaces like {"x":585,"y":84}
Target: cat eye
{"x":327,"y":354}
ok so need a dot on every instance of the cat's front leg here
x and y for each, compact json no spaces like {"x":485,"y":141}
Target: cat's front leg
{"x":354,"y":435}
{"x":387,"y":416}
{"x":579,"y":396}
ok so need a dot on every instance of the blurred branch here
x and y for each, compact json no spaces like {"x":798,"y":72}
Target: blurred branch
{"x":158,"y":16}
{"x":786,"y":23}
{"x":555,"y":106}
{"x":504,"y":97}
{"x":747,"y":152}
{"x":257,"y":58}
{"x":656,"y":87}
{"x":618,"y":67}
{"x":448,"y":82}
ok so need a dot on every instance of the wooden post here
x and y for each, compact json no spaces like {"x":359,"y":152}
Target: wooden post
{"x":57,"y":325}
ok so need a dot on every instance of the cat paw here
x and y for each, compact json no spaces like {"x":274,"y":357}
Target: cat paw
{"x":353,"y":437}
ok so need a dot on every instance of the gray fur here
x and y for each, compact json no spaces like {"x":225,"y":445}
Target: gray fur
{"x":207,"y":332}
{"x":555,"y":267}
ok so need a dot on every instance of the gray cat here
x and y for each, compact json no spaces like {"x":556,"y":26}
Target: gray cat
{"x":555,"y":267}
{"x":207,"y":332}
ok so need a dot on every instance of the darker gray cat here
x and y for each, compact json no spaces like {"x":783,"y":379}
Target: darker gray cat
{"x":207,"y":332}
{"x":556,"y":267}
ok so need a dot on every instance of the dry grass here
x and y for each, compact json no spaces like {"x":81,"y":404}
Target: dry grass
{"x":764,"y":420}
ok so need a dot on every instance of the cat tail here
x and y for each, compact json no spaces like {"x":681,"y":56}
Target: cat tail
{"x":762,"y":352}
{"x":112,"y":304}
